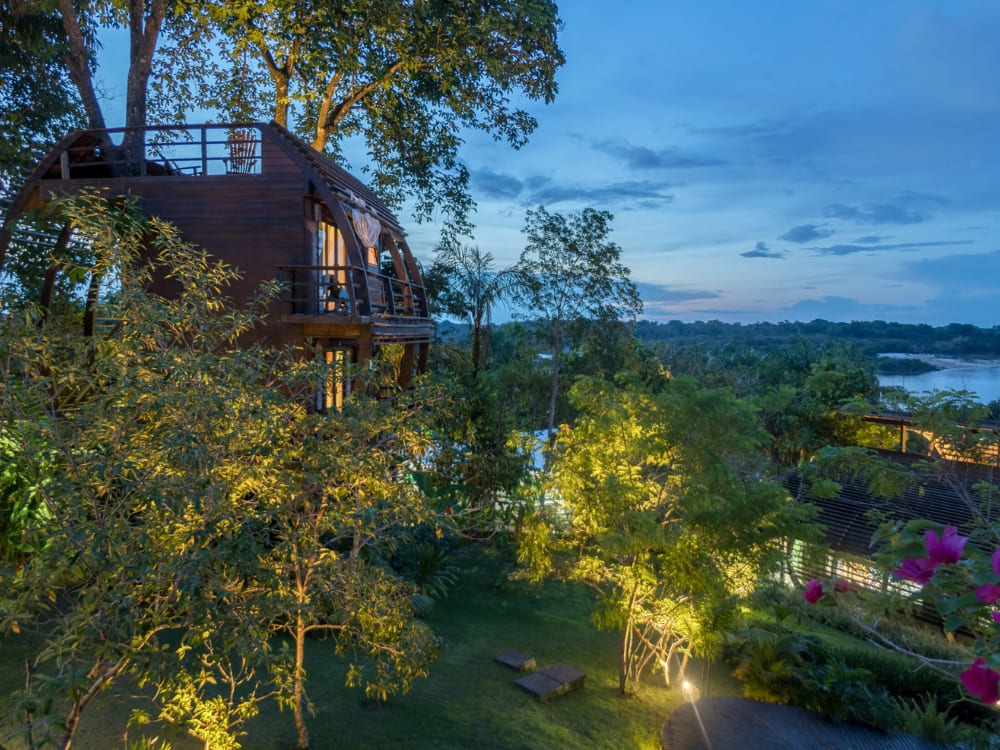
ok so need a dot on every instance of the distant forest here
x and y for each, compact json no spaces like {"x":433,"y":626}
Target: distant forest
{"x":868,"y":337}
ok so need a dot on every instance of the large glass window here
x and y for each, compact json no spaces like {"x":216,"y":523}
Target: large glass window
{"x":331,"y":258}
{"x":337,"y":386}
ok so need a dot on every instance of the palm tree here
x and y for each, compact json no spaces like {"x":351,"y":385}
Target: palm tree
{"x":472,"y":286}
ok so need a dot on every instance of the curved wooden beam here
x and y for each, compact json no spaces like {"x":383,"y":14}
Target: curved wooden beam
{"x":49,"y":280}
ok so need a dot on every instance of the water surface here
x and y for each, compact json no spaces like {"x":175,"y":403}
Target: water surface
{"x":981,"y":377}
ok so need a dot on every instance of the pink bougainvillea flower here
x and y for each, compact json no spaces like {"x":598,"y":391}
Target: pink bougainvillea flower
{"x":813,"y":592}
{"x":990,"y":593}
{"x":918,"y":569}
{"x":982,"y":681}
{"x":843,"y":585}
{"x":996,"y":616}
{"x":947,"y":548}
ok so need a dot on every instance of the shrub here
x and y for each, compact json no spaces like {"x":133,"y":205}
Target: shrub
{"x":779,"y":664}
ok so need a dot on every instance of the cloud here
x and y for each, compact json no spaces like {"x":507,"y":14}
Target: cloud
{"x":762,"y":128}
{"x":659,"y":295}
{"x":871,"y":239}
{"x":761,"y":251}
{"x":908,"y":208}
{"x":851,"y":249}
{"x":845,"y":309}
{"x":805,"y":233}
{"x":875,"y":214}
{"x":630,"y":195}
{"x":958,"y":276}
{"x":641,"y":157}
{"x":496,"y":185}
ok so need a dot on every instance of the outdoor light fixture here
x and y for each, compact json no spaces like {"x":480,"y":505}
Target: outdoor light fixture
{"x":690,"y":691}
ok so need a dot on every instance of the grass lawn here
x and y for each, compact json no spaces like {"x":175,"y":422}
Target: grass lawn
{"x":469,"y":700}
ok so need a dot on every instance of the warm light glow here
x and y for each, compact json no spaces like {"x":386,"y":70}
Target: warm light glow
{"x":685,"y":685}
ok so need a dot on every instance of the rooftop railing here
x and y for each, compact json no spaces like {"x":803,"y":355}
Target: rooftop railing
{"x":195,"y":150}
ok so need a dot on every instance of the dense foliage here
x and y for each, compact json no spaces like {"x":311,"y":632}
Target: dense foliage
{"x":670,"y":521}
{"x":36,"y":95}
{"x":869,"y":337}
{"x":177,"y":515}
{"x":405,"y":78}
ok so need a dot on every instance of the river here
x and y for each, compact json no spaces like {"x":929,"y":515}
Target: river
{"x":981,"y":377}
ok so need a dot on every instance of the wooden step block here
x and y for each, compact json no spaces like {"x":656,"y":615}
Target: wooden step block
{"x":557,"y":679}
{"x":517,"y":660}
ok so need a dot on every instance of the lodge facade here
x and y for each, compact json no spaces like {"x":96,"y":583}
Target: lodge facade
{"x":258,"y":198}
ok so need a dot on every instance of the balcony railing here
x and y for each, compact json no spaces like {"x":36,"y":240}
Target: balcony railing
{"x":341,"y":290}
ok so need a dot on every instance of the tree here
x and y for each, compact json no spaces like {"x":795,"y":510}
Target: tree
{"x":669,"y":522}
{"x":35,"y":91}
{"x":571,"y":276}
{"x":141,"y":428}
{"x":183,"y":471}
{"x":144,"y":21}
{"x":471,"y":287}
{"x":405,"y":77}
{"x":337,"y":512}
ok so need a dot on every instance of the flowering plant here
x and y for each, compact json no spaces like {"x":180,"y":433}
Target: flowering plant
{"x":959,"y":579}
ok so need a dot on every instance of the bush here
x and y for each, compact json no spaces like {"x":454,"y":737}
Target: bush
{"x":780,"y":665}
{"x":926,"y":718}
{"x":846,"y":691}
{"x":770,"y":663}
{"x":777,"y":663}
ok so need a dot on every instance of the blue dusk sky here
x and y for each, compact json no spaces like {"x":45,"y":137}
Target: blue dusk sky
{"x":770,"y":160}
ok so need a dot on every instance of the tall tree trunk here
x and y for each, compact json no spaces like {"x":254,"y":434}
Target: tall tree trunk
{"x":623,"y":657}
{"x":281,"y":101}
{"x":281,"y":76}
{"x":144,"y":31}
{"x":624,"y":667}
{"x":556,"y":356}
{"x":298,"y":687}
{"x":477,"y":344}
{"x":78,"y":62}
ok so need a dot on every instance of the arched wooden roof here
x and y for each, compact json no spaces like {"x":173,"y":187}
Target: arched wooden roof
{"x":325,"y":170}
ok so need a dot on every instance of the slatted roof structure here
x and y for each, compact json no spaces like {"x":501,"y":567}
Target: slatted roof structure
{"x":848,"y":520}
{"x":258,"y":198}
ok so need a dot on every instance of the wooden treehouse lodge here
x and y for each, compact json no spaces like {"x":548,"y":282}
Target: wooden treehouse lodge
{"x":259,"y":199}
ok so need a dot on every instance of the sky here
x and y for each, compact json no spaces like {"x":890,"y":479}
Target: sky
{"x":769,"y":160}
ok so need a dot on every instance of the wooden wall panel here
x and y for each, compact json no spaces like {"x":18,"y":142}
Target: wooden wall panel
{"x":258,"y":222}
